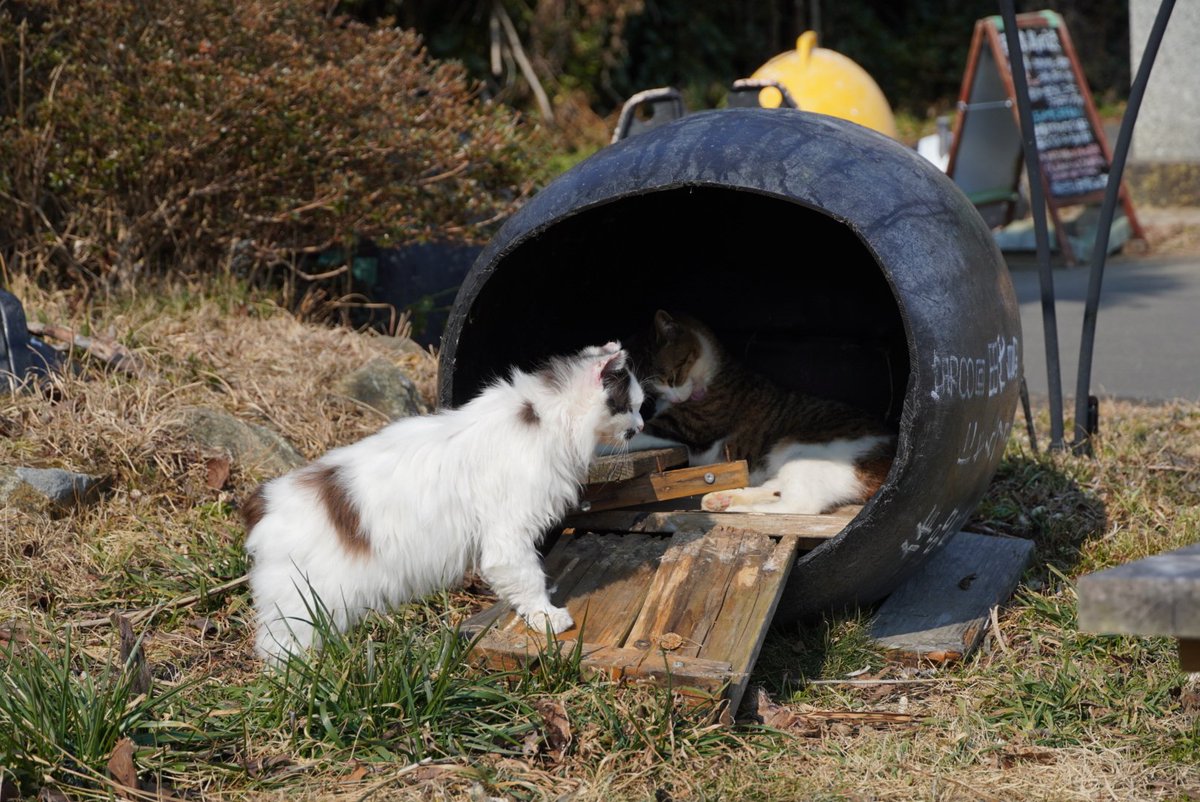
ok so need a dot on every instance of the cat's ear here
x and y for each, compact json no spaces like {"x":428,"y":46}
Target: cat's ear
{"x":610,"y":364}
{"x":665,"y":326}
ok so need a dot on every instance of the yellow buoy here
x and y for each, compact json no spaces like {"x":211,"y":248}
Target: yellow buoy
{"x":826,"y":82}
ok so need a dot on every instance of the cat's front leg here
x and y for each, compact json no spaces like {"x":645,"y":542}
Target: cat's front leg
{"x":512,"y":567}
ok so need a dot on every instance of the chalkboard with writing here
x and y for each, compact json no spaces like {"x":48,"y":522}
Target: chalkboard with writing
{"x":1064,"y":123}
{"x":986,"y":158}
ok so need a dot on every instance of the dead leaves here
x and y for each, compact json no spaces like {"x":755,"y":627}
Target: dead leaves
{"x":123,"y":774}
{"x":810,"y":722}
{"x":272,"y":765}
{"x":670,"y":642}
{"x":132,"y":655}
{"x":554,"y":737}
{"x":1013,"y":754}
{"x":120,"y":765}
{"x":216,"y":472}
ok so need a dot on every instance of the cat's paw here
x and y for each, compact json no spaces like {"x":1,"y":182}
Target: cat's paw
{"x":746,"y":499}
{"x":717,"y":501}
{"x":557,"y":618}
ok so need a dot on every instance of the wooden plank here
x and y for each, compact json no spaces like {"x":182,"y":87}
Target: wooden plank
{"x":690,"y":610}
{"x":659,"y":667}
{"x":507,"y":649}
{"x":941,"y":611}
{"x":811,"y":530}
{"x":1189,"y":654}
{"x":750,"y":601}
{"x":666,"y":485}
{"x":601,"y":579}
{"x":618,"y":467}
{"x":687,"y":592}
{"x":604,"y":608}
{"x":1159,"y":595}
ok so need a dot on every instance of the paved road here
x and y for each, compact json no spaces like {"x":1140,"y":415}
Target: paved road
{"x":1147,"y":333}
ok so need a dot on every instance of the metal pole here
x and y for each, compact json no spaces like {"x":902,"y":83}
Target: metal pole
{"x":1037,"y":207}
{"x":1087,"y":339}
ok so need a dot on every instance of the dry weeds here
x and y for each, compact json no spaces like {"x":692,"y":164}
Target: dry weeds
{"x":163,"y":532}
{"x":247,"y":358}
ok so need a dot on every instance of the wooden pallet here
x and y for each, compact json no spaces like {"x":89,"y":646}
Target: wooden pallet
{"x":639,"y":478}
{"x":683,"y":598}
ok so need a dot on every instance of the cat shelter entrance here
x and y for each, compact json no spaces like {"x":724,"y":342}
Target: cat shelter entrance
{"x":824,"y":255}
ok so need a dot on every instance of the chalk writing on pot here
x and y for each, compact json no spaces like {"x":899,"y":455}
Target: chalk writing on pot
{"x":980,"y":375}
{"x":982,"y":440}
{"x":933,"y":530}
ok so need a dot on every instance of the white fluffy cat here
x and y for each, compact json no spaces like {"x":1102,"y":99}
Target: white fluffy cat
{"x":410,"y":509}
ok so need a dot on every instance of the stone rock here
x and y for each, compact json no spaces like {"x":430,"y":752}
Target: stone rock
{"x":384,"y":387}
{"x":47,"y":489}
{"x":401,"y":346}
{"x":253,"y":447}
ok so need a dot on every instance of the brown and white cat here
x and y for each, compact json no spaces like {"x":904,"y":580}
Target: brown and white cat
{"x":409,"y":509}
{"x":805,"y":454}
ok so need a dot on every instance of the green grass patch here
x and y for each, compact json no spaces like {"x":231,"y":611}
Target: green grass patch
{"x":62,"y":713}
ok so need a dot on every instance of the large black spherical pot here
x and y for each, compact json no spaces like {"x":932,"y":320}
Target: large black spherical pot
{"x":828,"y":256}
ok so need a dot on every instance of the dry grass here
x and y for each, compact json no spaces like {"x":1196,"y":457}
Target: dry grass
{"x":1042,"y":711}
{"x":245,"y":357}
{"x":1171,"y":231}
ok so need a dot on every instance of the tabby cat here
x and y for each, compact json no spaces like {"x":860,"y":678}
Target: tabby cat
{"x":805,"y":454}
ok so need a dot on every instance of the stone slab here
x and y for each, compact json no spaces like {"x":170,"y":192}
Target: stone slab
{"x":1159,"y":595}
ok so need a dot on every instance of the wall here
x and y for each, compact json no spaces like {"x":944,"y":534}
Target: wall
{"x":1164,"y":165}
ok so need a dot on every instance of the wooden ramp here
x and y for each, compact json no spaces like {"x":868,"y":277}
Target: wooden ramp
{"x":940,"y":613}
{"x":671,"y":597}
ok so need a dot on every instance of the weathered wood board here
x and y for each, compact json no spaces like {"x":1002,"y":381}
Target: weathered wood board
{"x":618,"y":467}
{"x":690,"y":607}
{"x":665,"y":486}
{"x":1159,"y":595}
{"x":941,"y":612}
{"x":812,"y":530}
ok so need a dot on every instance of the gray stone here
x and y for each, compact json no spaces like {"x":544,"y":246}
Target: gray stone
{"x":1159,"y":595}
{"x":402,"y":346}
{"x":253,"y":447}
{"x":384,"y":387}
{"x":1170,"y":114}
{"x":40,"y":489}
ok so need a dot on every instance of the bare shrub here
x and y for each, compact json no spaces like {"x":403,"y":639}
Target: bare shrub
{"x":138,"y":138}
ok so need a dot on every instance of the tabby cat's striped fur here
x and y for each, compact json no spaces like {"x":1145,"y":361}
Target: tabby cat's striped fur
{"x":806,"y":454}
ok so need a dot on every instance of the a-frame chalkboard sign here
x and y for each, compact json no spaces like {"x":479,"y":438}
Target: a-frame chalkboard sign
{"x":986,"y":159}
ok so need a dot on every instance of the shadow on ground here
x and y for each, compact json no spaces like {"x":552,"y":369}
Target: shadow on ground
{"x":1028,"y":498}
